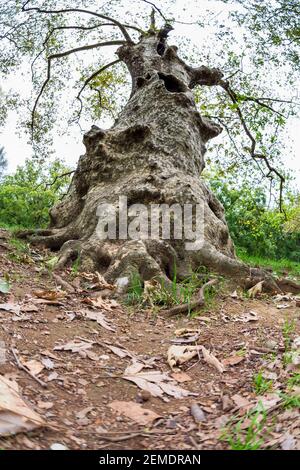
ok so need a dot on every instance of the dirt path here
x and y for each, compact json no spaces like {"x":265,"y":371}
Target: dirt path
{"x":77,"y":402}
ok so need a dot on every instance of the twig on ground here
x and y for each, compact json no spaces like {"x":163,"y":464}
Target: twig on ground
{"x":68,"y":287}
{"x":24,"y":368}
{"x":183,"y":308}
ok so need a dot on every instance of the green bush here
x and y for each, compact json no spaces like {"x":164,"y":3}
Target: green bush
{"x":27,"y":195}
{"x":255,"y":228}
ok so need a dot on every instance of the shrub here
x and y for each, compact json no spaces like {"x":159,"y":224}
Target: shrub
{"x":27,"y":195}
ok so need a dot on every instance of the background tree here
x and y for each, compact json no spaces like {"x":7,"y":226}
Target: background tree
{"x":27,"y":196}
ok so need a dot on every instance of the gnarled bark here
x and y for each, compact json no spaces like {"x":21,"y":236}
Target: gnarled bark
{"x":154,"y":153}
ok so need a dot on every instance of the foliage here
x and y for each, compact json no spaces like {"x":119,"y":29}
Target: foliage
{"x":27,"y":195}
{"x":274,"y":26}
{"x":290,"y":401}
{"x":135,"y":289}
{"x":256,"y":229}
{"x":163,"y":295}
{"x":264,"y":96}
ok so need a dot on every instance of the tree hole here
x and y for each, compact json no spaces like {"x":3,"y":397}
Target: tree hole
{"x":172,"y":83}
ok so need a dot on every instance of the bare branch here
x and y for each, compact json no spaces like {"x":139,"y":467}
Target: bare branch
{"x":154,"y":7}
{"x":65,"y":54}
{"x":261,"y":103}
{"x":57,"y":177}
{"x":90,"y":78}
{"x":252,"y":150}
{"x":121,"y":26}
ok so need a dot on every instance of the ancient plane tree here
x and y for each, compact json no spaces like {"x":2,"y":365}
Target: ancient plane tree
{"x":154,"y":153}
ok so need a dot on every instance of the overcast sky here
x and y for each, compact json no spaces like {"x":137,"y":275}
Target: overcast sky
{"x":69,"y":147}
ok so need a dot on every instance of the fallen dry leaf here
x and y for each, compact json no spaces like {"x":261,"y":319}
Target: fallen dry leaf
{"x":83,"y":413}
{"x":288,"y":442}
{"x":240,"y":401}
{"x":197,"y":413}
{"x":45,"y":405}
{"x":233,"y":360}
{"x":98,"y":280}
{"x":247,"y":317}
{"x":157,"y":383}
{"x":11,"y":307}
{"x":135,"y":411}
{"x":29,"y":308}
{"x":99,"y":318}
{"x":15,"y":415}
{"x":180,"y":354}
{"x":234,"y":295}
{"x":105,"y":304}
{"x":283,"y":306}
{"x":227,"y":403}
{"x":49,"y":294}
{"x":256,"y":290}
{"x":46,"y":361}
{"x":267,"y":401}
{"x":35,"y":367}
{"x":181,"y":377}
{"x":74,"y":346}
{"x":186,"y":335}
{"x":134,"y":368}
{"x":120,"y":352}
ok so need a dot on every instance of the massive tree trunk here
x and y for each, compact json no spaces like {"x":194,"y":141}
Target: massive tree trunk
{"x":154,"y":153}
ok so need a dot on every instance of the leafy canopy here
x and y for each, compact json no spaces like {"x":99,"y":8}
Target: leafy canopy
{"x":66,"y":50}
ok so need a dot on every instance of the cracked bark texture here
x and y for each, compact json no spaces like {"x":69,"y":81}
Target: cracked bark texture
{"x":154,"y":153}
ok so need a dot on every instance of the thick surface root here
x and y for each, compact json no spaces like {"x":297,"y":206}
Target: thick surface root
{"x":152,"y":259}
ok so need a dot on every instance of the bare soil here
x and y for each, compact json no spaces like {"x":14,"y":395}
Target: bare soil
{"x":76,"y":402}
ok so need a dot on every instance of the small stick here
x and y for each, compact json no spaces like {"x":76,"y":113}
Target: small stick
{"x":24,"y":368}
{"x":183,"y":308}
{"x":63,"y":283}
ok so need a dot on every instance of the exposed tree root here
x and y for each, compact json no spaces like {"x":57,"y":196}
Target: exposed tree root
{"x":152,"y":259}
{"x":184,"y":308}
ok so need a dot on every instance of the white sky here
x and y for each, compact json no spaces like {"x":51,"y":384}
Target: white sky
{"x":69,"y":147}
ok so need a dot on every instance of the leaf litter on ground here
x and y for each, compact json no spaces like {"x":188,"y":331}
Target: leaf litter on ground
{"x":15,"y":415}
{"x":158,"y":384}
{"x":178,"y":355}
{"x":135,"y":411}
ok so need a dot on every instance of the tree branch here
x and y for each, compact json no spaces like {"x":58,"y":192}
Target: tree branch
{"x":121,"y":26}
{"x":90,"y":78}
{"x":57,"y":177}
{"x":252,"y":150}
{"x":64,"y":54}
{"x":157,"y":9}
{"x":204,"y":76}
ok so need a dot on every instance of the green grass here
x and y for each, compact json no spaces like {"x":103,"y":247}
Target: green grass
{"x":165,"y":295}
{"x":278,"y":266}
{"x":241,"y":437}
{"x":294,"y":380}
{"x":21,"y":250}
{"x":135,"y":289}
{"x":290,"y":401}
{"x":287,"y":330}
{"x":75,"y":266}
{"x":260,"y":384}
{"x":12,"y":228}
